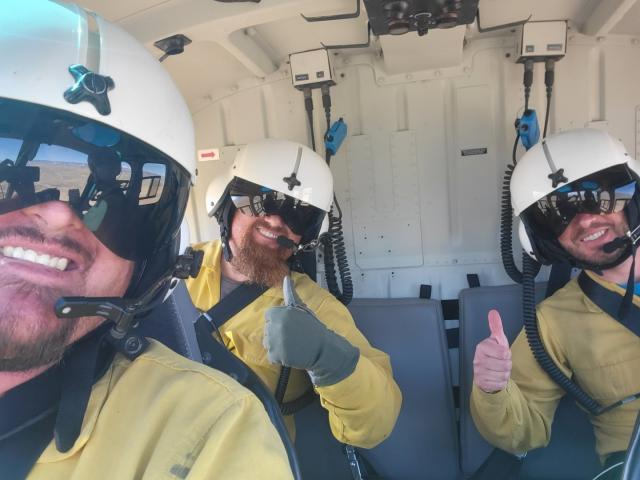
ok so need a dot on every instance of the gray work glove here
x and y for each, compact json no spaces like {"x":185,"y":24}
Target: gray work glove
{"x":294,"y":337}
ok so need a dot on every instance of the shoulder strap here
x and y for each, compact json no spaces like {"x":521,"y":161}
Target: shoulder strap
{"x":303,"y":401}
{"x":233,"y":303}
{"x":559,"y":276}
{"x":217,"y":316}
{"x":216,"y":355}
{"x":609,"y":302}
{"x":20,"y":451}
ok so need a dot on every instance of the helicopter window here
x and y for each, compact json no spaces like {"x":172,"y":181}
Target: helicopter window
{"x":153,"y":179}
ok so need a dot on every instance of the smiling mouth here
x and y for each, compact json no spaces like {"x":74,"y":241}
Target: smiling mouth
{"x":267,"y":233}
{"x":29,"y":255}
{"x":594,"y":236}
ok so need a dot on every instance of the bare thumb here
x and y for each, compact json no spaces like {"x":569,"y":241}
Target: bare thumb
{"x":495,"y":326}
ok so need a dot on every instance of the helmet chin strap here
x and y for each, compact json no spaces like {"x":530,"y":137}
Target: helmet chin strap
{"x":123,"y":311}
{"x":631,"y":285}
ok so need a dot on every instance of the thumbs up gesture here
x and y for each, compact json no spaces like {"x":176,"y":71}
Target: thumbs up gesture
{"x":295,"y":337}
{"x":492,"y":360}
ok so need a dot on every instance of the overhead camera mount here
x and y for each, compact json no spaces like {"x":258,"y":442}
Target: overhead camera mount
{"x":397,"y":17}
{"x":173,"y":45}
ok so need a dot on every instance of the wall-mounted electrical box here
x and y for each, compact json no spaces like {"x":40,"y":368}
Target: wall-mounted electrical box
{"x":311,"y":69}
{"x":539,"y":41}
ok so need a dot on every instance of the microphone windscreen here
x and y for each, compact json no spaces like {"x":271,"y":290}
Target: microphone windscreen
{"x":285,"y":242}
{"x":613,"y":245}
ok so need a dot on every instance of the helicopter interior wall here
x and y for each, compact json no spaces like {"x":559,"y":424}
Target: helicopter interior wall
{"x":416,"y":209}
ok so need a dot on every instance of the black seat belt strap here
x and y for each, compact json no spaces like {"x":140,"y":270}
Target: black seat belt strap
{"x":216,"y":317}
{"x":559,"y":276}
{"x":216,"y":355}
{"x":609,"y":302}
{"x":233,"y":303}
{"x":473,"y":280}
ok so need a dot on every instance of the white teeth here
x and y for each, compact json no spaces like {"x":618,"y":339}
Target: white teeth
{"x":266,"y":233}
{"x":32,"y":256}
{"x":594,"y":236}
{"x":43,"y":259}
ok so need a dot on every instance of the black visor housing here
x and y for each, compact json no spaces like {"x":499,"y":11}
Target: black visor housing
{"x":255,"y":200}
{"x":605,"y":192}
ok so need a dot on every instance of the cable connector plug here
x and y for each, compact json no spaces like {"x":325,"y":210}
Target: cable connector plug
{"x":549,"y":68}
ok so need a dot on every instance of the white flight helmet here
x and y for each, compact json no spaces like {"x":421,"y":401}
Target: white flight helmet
{"x":274,"y":177}
{"x":89,"y":116}
{"x":215,"y":191}
{"x":576,"y":171}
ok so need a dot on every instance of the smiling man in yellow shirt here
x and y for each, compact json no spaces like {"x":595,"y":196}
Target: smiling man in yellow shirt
{"x":578,"y":196}
{"x":87,"y":247}
{"x":270,"y":207}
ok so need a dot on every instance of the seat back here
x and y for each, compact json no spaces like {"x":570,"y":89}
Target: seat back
{"x":571,"y":452}
{"x":424,"y":442}
{"x":171,"y":323}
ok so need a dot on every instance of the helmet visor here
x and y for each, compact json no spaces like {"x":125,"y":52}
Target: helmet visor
{"x":605,"y":192}
{"x":130,"y":195}
{"x":258,"y":201}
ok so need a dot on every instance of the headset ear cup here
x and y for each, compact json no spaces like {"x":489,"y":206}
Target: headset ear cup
{"x":314,"y":232}
{"x":632,"y":210}
{"x":224,"y":215}
{"x":541,"y":250}
{"x":525,"y":240}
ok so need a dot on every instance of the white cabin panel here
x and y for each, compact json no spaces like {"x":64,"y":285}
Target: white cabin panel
{"x":453,"y":198}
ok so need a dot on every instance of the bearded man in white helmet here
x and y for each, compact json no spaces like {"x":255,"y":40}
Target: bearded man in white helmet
{"x":98,"y":157}
{"x":270,"y":206}
{"x":578,"y":198}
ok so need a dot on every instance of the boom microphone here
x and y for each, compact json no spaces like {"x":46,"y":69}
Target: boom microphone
{"x":614,"y":244}
{"x":286,"y":242}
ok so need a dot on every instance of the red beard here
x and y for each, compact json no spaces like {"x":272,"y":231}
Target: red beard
{"x":262,"y":265}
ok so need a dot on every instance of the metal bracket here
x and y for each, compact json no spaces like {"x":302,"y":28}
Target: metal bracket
{"x":353,"y":45}
{"x":500,"y":27}
{"x":188,"y":264}
{"x":329,"y":18}
{"x":173,"y":45}
{"x":354,"y":464}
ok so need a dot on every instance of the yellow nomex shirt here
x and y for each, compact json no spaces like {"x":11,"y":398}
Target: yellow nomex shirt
{"x":363,"y":407}
{"x":601,"y":354}
{"x":165,"y":417}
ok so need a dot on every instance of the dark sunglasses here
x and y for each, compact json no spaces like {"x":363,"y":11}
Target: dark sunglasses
{"x":258,"y":201}
{"x":602,"y":193}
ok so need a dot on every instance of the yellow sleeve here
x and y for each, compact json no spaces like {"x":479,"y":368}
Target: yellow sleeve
{"x":518,"y":418}
{"x":363,"y":408}
{"x":241,"y":443}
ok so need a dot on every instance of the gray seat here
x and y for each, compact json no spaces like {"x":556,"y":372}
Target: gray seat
{"x":424,"y":443}
{"x":171,"y":323}
{"x":571,"y":451}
